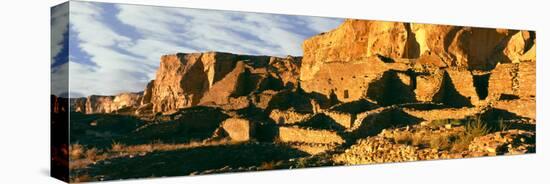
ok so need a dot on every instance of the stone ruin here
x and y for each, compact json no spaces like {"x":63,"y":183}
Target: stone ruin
{"x":352,"y":82}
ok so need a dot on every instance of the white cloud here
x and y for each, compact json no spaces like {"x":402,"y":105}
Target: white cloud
{"x":59,"y":25}
{"x":60,"y":80}
{"x":112,"y":72}
{"x":205,"y":30}
{"x":125,"y":62}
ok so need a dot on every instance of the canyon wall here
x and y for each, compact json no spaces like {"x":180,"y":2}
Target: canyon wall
{"x":393,"y":62}
{"x":384,"y":62}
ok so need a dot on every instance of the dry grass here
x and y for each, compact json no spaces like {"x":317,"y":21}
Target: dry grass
{"x":441,"y":142}
{"x":82,"y":157}
{"x":403,"y":138}
{"x":418,"y":139}
{"x":443,"y":122}
{"x":503,"y":125}
{"x":473,"y":129}
{"x":268,"y":165}
{"x":160,"y":146}
{"x":76,"y":151}
{"x":80,"y":178}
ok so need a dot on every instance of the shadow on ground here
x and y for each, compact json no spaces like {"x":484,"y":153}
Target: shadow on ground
{"x":187,"y":161}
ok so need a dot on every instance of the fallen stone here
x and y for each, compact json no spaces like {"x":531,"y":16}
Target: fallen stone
{"x":238,"y":129}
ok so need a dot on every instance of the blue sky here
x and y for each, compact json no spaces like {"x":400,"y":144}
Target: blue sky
{"x":114,"y":48}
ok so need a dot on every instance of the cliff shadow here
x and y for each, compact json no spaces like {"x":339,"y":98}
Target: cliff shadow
{"x":100,"y":130}
{"x":412,"y":48}
{"x":298,"y":100}
{"x":194,"y":123}
{"x":495,"y":118}
{"x":448,"y":94}
{"x":355,"y":107}
{"x":481,"y":83}
{"x":195,"y":83}
{"x":390,"y":118}
{"x":321,"y":121}
{"x":390,"y":90}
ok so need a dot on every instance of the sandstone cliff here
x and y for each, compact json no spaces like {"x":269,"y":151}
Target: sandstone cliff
{"x":411,"y":62}
{"x":365,"y":92}
{"x":385,"y":62}
{"x":106,"y":104}
{"x":185,"y":80}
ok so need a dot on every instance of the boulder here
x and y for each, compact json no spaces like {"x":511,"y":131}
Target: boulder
{"x":238,"y":129}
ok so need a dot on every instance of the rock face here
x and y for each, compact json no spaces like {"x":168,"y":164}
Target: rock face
{"x":365,"y":92}
{"x":234,"y":84}
{"x":185,"y":80}
{"x":106,"y":104}
{"x":508,"y":142}
{"x":182,"y":79}
{"x":354,"y":40}
{"x":147,"y":93}
{"x":419,"y":62}
{"x":59,"y":104}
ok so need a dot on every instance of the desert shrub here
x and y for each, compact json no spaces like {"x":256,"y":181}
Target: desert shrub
{"x":418,"y":139}
{"x":476,"y":128}
{"x":117,"y":147}
{"x":268,"y":165}
{"x":443,"y":122}
{"x":404,"y":138}
{"x":92,"y":154}
{"x":503,"y":125}
{"x":76,"y":151}
{"x":472,"y":129}
{"x":442,"y":142}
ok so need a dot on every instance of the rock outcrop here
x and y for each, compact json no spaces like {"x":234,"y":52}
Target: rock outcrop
{"x":182,"y":79}
{"x":58,"y":105}
{"x":238,"y":129}
{"x":424,"y":62}
{"x":213,"y":78}
{"x":107,"y":104}
{"x":234,"y":84}
{"x":365,"y":92}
